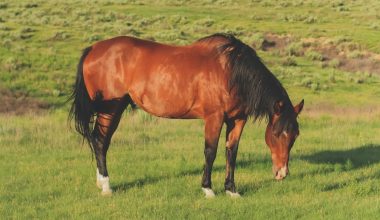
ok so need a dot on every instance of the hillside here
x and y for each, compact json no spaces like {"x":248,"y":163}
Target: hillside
{"x":318,"y":48}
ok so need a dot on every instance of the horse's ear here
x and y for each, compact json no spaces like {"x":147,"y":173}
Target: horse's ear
{"x":278,"y":106}
{"x":298,"y":108}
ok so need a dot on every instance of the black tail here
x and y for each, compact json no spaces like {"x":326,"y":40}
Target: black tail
{"x":82,"y":109}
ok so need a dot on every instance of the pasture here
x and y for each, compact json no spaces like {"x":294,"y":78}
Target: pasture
{"x":326,"y":52}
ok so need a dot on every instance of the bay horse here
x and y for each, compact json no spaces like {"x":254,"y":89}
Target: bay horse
{"x":218,"y":79}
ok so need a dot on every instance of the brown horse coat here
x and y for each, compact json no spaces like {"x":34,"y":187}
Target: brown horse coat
{"x":166,"y":81}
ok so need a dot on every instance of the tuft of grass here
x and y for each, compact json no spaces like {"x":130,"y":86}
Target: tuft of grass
{"x":307,"y":82}
{"x":93,"y":38}
{"x":375,"y":26}
{"x":289,"y":61}
{"x":314,"y":55}
{"x":310,"y":20}
{"x":31,"y":5}
{"x":332,"y":78}
{"x":13,"y":64}
{"x":257,"y":40}
{"x":355,"y":54}
{"x":334,"y":63}
{"x":294,"y":49}
{"x":3,"y":5}
{"x":206,"y":22}
{"x":60,"y":35}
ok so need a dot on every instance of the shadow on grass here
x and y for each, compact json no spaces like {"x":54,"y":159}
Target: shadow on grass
{"x":150,"y":180}
{"x":138,"y":183}
{"x":351,"y":159}
{"x":343,"y":160}
{"x":347,"y":160}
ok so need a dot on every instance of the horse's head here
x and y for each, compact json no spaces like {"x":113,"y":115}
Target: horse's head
{"x":281,"y":133}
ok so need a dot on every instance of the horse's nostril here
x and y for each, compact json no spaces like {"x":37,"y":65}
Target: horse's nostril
{"x":281,"y":173}
{"x":278,"y":176}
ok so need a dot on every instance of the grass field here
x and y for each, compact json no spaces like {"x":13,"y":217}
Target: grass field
{"x":156,"y":164}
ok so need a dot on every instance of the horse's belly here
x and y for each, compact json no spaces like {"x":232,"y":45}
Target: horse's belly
{"x":165,"y":106}
{"x":169,"y":100}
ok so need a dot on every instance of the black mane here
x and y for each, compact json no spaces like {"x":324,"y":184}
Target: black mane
{"x":257,"y":88}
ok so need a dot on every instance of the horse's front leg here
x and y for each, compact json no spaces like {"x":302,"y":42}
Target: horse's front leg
{"x":213,"y":125}
{"x":233,"y":133}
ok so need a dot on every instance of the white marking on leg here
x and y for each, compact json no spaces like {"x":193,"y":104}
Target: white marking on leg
{"x":106,"y":189}
{"x":98,"y":184}
{"x":233,"y":195}
{"x":103,"y":183}
{"x":208,"y":192}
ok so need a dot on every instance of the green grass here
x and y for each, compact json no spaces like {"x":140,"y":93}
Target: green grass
{"x":155,"y":167}
{"x":155,"y":164}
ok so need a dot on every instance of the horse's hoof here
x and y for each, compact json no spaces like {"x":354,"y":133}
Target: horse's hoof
{"x":106,"y":193}
{"x":233,"y":194}
{"x":208,"y":193}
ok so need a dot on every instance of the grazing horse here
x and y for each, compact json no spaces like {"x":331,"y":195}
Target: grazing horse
{"x":218,"y":79}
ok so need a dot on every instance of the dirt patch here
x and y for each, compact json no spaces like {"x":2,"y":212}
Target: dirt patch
{"x":19,"y":104}
{"x":365,"y":64}
{"x":337,"y":53}
{"x":275,"y":42}
{"x":348,"y":56}
{"x":317,"y":110}
{"x":320,"y":109}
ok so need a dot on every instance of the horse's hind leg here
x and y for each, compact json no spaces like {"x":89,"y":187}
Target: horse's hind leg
{"x":107,"y":120}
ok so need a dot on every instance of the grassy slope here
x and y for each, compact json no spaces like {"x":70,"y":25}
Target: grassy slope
{"x":155,"y":164}
{"x":41,"y":43}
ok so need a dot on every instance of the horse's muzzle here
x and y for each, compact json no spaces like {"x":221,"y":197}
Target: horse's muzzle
{"x":281,"y":173}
